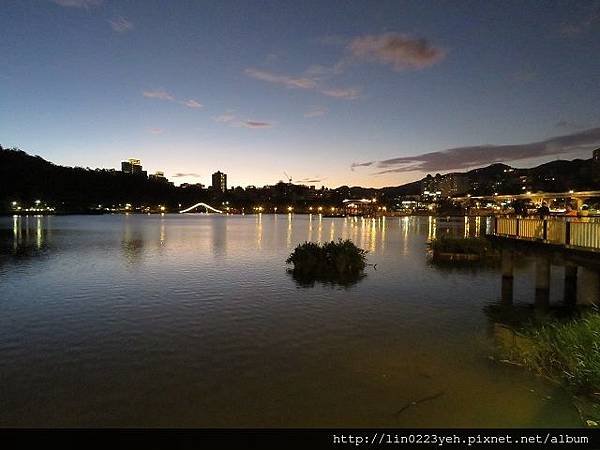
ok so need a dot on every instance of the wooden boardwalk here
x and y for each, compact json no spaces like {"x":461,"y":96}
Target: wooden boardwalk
{"x":582,"y":234}
{"x":571,"y":243}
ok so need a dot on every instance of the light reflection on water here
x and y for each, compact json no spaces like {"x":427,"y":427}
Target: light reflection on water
{"x":181,"y":320}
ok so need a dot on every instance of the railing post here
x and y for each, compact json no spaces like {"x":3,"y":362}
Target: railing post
{"x":588,"y":289}
{"x":517,"y":227}
{"x":545,"y":231}
{"x":542,"y":281}
{"x":570,"y":290}
{"x":507,"y":276}
{"x":568,"y":233}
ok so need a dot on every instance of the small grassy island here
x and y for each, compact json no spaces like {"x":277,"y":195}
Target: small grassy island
{"x":340,"y":262}
{"x":448,"y":248}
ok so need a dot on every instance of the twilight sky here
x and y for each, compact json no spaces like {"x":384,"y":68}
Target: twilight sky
{"x":369,"y":93}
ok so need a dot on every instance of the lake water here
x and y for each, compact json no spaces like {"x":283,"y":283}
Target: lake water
{"x":192,"y":320}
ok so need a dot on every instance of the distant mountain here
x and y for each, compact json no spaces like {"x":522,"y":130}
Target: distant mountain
{"x":489,"y":171}
{"x":553,"y":176}
{"x":413,"y":188}
{"x":25,"y":178}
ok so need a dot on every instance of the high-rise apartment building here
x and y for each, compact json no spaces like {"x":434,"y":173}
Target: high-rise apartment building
{"x":219,"y":181}
{"x":132,"y":166}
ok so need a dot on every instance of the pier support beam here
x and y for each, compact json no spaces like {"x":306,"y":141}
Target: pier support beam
{"x":588,"y":287}
{"x":570,"y":293}
{"x":542,"y":282}
{"x":507,"y":276}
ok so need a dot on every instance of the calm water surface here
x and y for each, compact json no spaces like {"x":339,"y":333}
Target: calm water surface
{"x":192,"y":320}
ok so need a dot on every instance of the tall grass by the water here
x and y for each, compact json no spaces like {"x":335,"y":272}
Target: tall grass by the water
{"x":566,"y":351}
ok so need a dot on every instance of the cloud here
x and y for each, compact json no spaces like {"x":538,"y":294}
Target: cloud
{"x":255,"y":124}
{"x":164,"y":95}
{"x":307,"y":83}
{"x":159,"y":94}
{"x":232,"y":120}
{"x":400,"y":51}
{"x":181,"y":175}
{"x":192,"y":103}
{"x":571,"y":29}
{"x":574,"y":29}
{"x":568,"y":125}
{"x":343,"y":93}
{"x":312,"y":180}
{"x":333,"y":40}
{"x":155,"y":130}
{"x":224,"y":118}
{"x":120,"y":24}
{"x":315,"y":112}
{"x":319,"y":71}
{"x":78,"y":3}
{"x":363,"y":164}
{"x":285,"y":80}
{"x":480,"y":155}
{"x":272,"y":57}
{"x":524,"y":75}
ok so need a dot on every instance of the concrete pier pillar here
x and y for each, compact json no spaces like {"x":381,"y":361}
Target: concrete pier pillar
{"x":507,"y":276}
{"x":588,"y":287}
{"x":570,"y":293}
{"x":542,"y":282}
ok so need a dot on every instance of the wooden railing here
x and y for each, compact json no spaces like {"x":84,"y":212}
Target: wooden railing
{"x":585,"y":234}
{"x":573,"y":233}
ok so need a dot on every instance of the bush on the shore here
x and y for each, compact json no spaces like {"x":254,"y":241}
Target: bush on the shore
{"x":329,"y":259}
{"x":567,"y":351}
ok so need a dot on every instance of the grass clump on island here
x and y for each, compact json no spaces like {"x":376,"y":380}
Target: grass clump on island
{"x":565,"y":351}
{"x":464,"y":246}
{"x":328,"y":261}
{"x":452,"y":252}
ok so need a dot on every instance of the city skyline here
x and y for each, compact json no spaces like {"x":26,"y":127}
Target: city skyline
{"x":361,"y":95}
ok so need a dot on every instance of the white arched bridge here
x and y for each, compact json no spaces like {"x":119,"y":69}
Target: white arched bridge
{"x":201,"y":205}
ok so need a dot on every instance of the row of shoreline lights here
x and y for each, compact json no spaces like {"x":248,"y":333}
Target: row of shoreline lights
{"x":260,"y":209}
{"x":320,"y":208}
{"x":15,"y":206}
{"x":290,"y":209}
